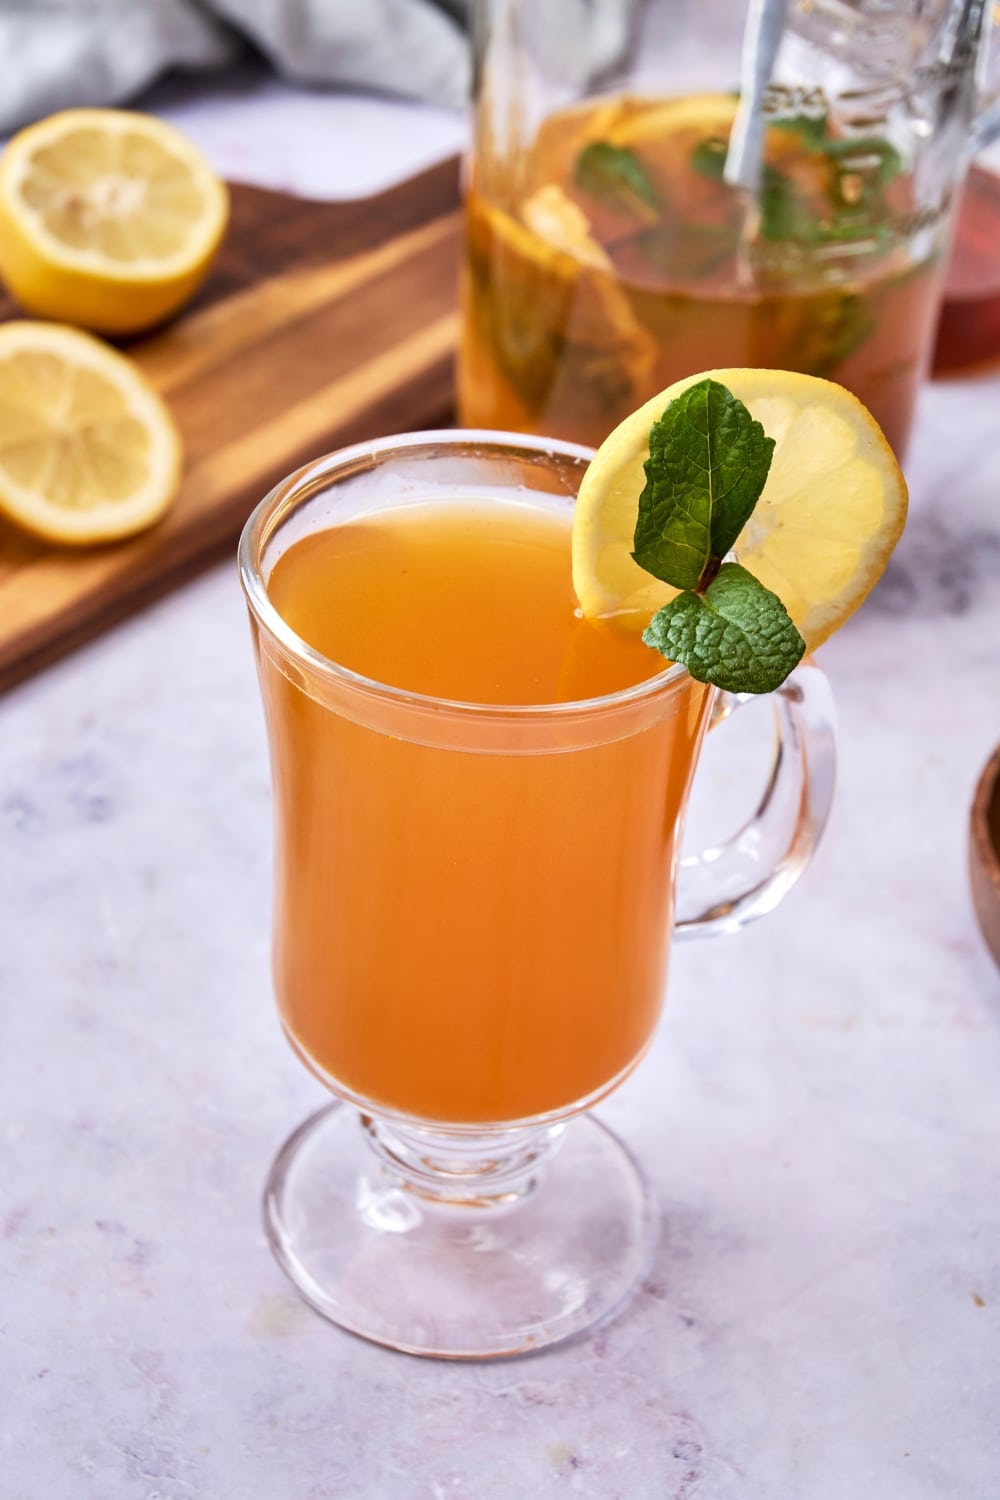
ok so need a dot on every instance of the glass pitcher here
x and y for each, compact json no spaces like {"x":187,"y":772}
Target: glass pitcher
{"x":666,"y":186}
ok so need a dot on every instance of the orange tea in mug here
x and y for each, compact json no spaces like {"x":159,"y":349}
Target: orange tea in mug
{"x":473,"y":930}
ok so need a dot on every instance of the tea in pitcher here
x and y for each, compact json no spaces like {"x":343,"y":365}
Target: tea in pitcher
{"x":611,"y":258}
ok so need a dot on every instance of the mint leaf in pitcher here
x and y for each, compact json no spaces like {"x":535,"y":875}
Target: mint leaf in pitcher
{"x":811,"y":129}
{"x":868,"y":157}
{"x":736,"y":635}
{"x":614,"y":176}
{"x":708,"y":461}
{"x":709,"y":157}
{"x":830,"y":194}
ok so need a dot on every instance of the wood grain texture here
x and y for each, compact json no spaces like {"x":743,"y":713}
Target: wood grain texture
{"x":321,"y":324}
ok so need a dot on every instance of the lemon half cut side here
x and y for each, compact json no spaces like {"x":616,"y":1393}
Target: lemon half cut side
{"x":88,"y":450}
{"x":108,"y":218}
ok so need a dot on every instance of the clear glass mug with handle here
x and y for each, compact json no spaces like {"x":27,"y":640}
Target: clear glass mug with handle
{"x":473,"y":913}
{"x":657,"y":187}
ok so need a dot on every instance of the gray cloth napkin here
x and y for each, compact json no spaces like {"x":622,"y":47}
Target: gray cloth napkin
{"x":63,"y":53}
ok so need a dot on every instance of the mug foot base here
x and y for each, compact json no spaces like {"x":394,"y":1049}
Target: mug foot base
{"x":455,"y":1279}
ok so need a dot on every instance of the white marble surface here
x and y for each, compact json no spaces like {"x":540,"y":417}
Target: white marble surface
{"x":819,"y":1117}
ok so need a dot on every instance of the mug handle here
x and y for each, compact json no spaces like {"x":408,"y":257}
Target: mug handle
{"x":722,"y":889}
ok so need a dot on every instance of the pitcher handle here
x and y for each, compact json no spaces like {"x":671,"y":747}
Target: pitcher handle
{"x":722,"y":889}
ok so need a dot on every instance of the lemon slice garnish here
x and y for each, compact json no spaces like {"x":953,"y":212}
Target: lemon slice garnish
{"x":832,"y":508}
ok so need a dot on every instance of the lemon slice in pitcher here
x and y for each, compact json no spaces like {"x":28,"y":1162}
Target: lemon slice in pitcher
{"x":831,"y":511}
{"x":88,"y":451}
{"x":108,"y":218}
{"x":700,"y":114}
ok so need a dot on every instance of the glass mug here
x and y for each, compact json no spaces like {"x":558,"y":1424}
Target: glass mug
{"x":473,"y":913}
{"x":617,"y":239}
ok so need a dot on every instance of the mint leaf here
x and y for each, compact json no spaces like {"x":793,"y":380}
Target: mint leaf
{"x":615,"y":176}
{"x":709,"y":157}
{"x":861,"y":154}
{"x":708,"y":460}
{"x":784,"y":212}
{"x":859,"y":169}
{"x":737,"y":635}
{"x":811,"y":129}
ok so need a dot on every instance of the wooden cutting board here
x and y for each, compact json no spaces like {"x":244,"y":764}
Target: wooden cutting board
{"x":321,"y":324}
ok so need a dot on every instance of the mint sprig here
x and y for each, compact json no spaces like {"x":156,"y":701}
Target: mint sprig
{"x":707,"y":466}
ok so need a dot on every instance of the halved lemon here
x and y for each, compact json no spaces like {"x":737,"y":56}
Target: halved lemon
{"x":88,"y":451}
{"x":108,"y":219}
{"x":832,"y":509}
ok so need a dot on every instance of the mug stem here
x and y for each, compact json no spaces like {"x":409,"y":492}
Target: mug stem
{"x":494,"y":1169}
{"x":434,"y":1244}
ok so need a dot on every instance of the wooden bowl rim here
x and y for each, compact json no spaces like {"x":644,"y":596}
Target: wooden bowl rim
{"x":986,"y":790}
{"x":984,"y":852}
